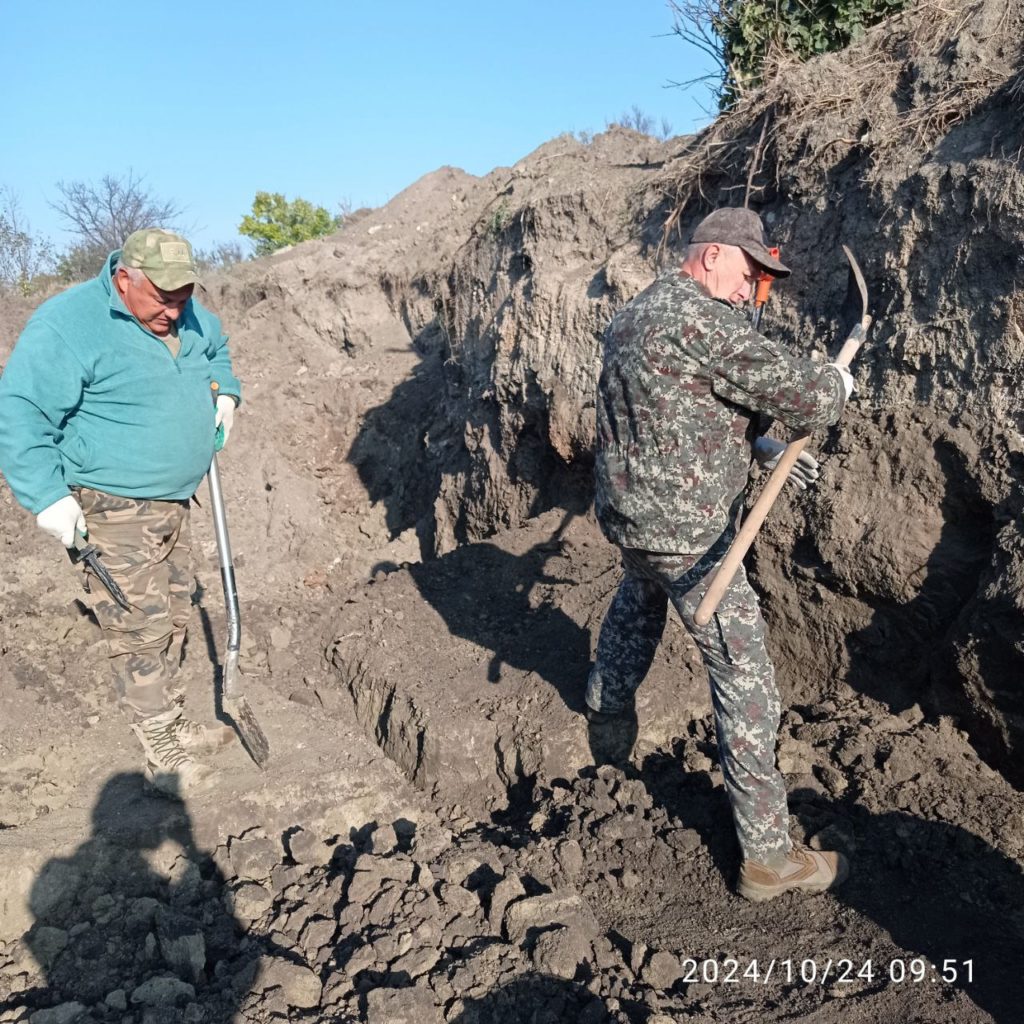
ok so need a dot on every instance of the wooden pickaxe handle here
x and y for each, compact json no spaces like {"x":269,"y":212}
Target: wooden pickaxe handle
{"x":752,"y":524}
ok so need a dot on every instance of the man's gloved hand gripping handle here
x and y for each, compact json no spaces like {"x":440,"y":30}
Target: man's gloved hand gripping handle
{"x":805,"y":471}
{"x":62,"y":520}
{"x":223,"y":419}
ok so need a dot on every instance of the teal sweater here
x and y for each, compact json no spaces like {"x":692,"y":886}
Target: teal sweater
{"x":89,"y":397}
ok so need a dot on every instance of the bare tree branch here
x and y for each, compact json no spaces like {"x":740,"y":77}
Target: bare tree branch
{"x":755,"y":161}
{"x":697,"y":22}
{"x":103,"y":215}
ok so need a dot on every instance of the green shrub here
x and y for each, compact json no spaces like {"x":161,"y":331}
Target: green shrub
{"x":276,"y":222}
{"x":743,"y":35}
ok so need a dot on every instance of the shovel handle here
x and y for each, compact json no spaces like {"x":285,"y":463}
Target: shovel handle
{"x":752,"y":524}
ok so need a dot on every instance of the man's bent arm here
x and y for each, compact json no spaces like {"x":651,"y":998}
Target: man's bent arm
{"x":762,"y":375}
{"x":220,"y":361}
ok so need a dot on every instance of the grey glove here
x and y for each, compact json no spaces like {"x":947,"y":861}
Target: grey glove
{"x":768,"y":451}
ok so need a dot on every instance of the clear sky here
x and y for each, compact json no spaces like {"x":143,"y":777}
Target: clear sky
{"x":332,"y":101}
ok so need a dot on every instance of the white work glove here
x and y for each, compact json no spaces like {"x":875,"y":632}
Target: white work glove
{"x":62,"y":520}
{"x":768,"y":451}
{"x":849,"y":387}
{"x":224,"y":419}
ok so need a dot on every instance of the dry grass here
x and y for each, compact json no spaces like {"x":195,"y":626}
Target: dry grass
{"x":872,"y":101}
{"x":1016,"y":90}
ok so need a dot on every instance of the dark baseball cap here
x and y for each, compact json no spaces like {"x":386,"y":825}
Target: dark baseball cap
{"x":734,"y":225}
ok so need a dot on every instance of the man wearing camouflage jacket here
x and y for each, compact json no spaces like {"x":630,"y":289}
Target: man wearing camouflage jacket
{"x":683,"y":382}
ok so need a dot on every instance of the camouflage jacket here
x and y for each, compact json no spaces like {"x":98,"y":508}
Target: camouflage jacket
{"x":683,"y":379}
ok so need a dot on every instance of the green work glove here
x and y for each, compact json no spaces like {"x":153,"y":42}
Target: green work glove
{"x":223,"y":420}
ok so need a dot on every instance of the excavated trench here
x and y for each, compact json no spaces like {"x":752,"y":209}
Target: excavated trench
{"x":468,"y":670}
{"x":439,"y":840}
{"x":890,"y":591}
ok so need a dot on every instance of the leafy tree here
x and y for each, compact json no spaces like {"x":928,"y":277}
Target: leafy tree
{"x":23,"y":256}
{"x":276,"y":222}
{"x":744,"y":35}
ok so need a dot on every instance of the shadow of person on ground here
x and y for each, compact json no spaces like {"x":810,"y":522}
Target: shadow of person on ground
{"x":111,"y":933}
{"x":941,"y":892}
{"x":399,"y":446}
{"x":491,"y":597}
{"x":535,"y":999}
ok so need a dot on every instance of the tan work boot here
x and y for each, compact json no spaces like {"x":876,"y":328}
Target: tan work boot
{"x":196,"y":738}
{"x":803,"y":869}
{"x":169,"y":767}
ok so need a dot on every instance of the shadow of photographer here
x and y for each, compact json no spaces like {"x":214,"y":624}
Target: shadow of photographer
{"x":114,"y":933}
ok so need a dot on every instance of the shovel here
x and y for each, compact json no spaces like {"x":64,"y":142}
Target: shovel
{"x":748,"y":531}
{"x":235,"y":704}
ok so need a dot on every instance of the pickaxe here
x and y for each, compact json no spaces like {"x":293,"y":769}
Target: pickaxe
{"x":752,"y":524}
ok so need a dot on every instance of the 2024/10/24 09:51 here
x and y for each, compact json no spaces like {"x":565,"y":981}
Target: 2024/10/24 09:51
{"x":810,"y":971}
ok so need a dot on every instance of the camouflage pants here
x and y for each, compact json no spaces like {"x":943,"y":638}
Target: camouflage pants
{"x":146,"y":547}
{"x":743,"y":692}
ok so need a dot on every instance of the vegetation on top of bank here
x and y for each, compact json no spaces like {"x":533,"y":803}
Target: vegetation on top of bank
{"x":747,"y":37}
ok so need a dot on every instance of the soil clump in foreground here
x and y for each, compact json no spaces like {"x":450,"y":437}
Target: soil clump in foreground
{"x":408,"y":486}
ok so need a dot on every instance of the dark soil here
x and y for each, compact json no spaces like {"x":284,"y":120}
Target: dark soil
{"x":437,"y":836}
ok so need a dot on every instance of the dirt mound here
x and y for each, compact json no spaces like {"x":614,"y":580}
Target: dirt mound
{"x":906,"y":148}
{"x":469,"y":671}
{"x":421,"y":585}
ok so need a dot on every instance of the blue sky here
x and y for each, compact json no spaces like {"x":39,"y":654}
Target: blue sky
{"x":344,"y":101}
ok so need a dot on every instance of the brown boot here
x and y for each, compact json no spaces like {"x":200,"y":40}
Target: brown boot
{"x":203,"y":739}
{"x":196,"y":738}
{"x":169,"y":768}
{"x":802,"y":868}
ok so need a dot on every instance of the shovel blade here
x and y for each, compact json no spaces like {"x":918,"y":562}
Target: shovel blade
{"x":252,"y":736}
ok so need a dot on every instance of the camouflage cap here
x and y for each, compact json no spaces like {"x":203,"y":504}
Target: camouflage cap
{"x":734,"y":225}
{"x":164,"y":257}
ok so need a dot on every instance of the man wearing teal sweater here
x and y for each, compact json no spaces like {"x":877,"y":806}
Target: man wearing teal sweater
{"x":107,"y":426}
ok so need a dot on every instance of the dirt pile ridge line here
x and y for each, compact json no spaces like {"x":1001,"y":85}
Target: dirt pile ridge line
{"x":409,"y":485}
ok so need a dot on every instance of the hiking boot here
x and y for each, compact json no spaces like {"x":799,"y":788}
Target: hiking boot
{"x":802,"y":868}
{"x":203,"y":739}
{"x":611,"y":735}
{"x":196,"y":738}
{"x":169,"y":767}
